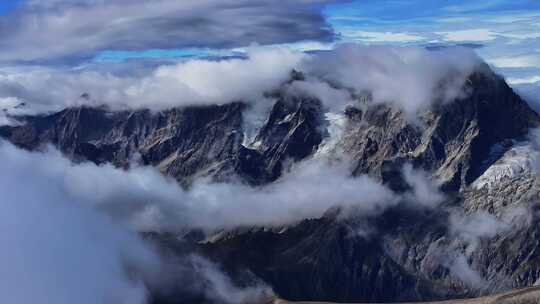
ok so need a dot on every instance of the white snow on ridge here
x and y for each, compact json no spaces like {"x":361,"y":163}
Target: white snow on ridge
{"x":336,"y":127}
{"x":518,"y":160}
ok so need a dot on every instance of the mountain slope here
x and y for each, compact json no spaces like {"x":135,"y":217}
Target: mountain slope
{"x":525,"y":296}
{"x":182,"y":143}
{"x":452,"y":140}
{"x":407,"y":254}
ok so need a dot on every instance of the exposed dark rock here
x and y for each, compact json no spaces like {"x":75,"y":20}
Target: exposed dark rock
{"x":183,"y":143}
{"x":452,"y":140}
{"x":317,"y":260}
{"x":293,"y":131}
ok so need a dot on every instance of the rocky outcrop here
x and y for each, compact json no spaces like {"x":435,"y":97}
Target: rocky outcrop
{"x":453,"y":140}
{"x":182,"y":143}
{"x":406,"y":255}
{"x":321,"y":259}
{"x":293,"y":132}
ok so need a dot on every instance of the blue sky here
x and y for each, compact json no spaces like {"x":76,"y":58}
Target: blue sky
{"x":395,"y":10}
{"x":6,"y":5}
{"x":508,"y":31}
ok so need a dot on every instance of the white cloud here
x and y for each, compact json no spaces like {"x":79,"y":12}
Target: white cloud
{"x":524,"y":80}
{"x":195,"y":82}
{"x":459,"y":19}
{"x":334,"y":99}
{"x":410,"y":77}
{"x":460,"y":268}
{"x":521,"y":36}
{"x":521,"y":61}
{"x":367,"y":36}
{"x":470,"y":230}
{"x":424,"y":190}
{"x":64,"y":244}
{"x":302,"y":46}
{"x":512,"y":18}
{"x":469,"y":35}
{"x":58,"y":251}
{"x":474,"y":227}
{"x":221,"y":289}
{"x":148,"y":201}
{"x":473,"y":6}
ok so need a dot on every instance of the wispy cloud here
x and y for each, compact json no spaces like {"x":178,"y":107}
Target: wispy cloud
{"x":379,"y":37}
{"x":410,"y":77}
{"x":465,"y":7}
{"x":524,"y":80}
{"x":474,"y":35}
{"x":522,"y":61}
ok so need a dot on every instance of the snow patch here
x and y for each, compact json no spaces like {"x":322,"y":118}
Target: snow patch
{"x":336,"y":123}
{"x":254,"y":119}
{"x":517,"y":161}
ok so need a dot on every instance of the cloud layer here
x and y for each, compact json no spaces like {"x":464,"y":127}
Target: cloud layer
{"x":75,"y":221}
{"x":195,"y":82}
{"x":505,"y":33}
{"x":49,"y":29}
{"x":410,"y":77}
{"x":144,"y":199}
{"x":148,"y":201}
{"x":59,"y":250}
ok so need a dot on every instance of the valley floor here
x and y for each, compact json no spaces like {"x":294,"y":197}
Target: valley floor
{"x":529,"y":295}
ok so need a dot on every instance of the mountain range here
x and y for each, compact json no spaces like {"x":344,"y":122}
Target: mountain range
{"x":479,"y":150}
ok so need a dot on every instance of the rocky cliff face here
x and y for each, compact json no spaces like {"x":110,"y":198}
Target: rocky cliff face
{"x":453,"y":140}
{"x":408,"y":254}
{"x":182,"y":143}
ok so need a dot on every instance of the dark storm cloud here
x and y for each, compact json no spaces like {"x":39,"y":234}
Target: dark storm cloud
{"x":45,"y":29}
